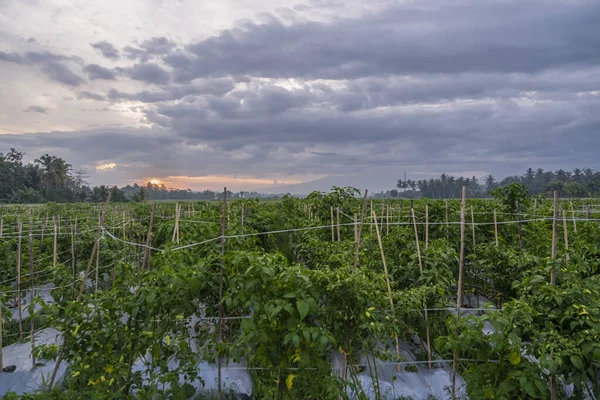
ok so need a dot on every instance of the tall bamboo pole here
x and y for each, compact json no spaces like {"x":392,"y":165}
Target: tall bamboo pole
{"x":337,"y":210}
{"x":495,"y":227}
{"x":553,"y":252}
{"x":221,"y":306}
{"x":32,"y":285}
{"x":427,"y":331}
{"x":362,"y":217}
{"x":146,"y":261}
{"x":461,"y":263}
{"x":426,"y":226}
{"x":566,"y":236}
{"x":573,"y":216}
{"x":19,"y":245}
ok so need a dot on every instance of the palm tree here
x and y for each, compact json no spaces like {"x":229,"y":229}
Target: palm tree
{"x":46,"y":163}
{"x":490,"y":182}
{"x":55,"y":170}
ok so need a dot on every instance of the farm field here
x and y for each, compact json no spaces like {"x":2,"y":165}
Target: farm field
{"x":303,"y":299}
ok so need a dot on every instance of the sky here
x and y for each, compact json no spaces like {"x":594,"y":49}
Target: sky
{"x":260,"y":94}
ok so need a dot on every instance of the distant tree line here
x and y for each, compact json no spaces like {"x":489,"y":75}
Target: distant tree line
{"x":577,"y":183}
{"x":51,"y":178}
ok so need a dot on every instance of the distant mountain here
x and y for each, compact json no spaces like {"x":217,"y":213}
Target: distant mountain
{"x":373,"y":182}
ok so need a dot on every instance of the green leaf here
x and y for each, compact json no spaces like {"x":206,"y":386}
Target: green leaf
{"x":577,"y":361}
{"x":303,"y":308}
{"x":515,"y":357}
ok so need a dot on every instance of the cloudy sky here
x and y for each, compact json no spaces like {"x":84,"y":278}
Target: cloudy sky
{"x":254,"y":94}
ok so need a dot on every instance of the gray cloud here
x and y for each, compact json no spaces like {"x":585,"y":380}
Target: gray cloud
{"x":36,"y":109}
{"x":150,"y":48}
{"x":149,"y":72}
{"x":214,"y":87}
{"x":61,"y":73}
{"x":451,"y":37}
{"x":96,"y":71}
{"x":89,"y":95}
{"x":107,"y":49}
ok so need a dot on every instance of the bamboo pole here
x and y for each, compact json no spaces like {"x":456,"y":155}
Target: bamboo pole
{"x":332,"y":225}
{"x":1,"y":227}
{"x":426,"y":226}
{"x":461,"y":264}
{"x":19,"y":248}
{"x":54,"y":243}
{"x":566,"y":236}
{"x":495,"y":227}
{"x":387,"y":219}
{"x":519,"y":229}
{"x":221,"y":305}
{"x":176,"y":222}
{"x":573,"y":216}
{"x":97,"y":267}
{"x":338,"y":223}
{"x":427,"y":331}
{"x":389,"y":289}
{"x":473,"y":226}
{"x":371,"y":217}
{"x":146,"y":262}
{"x":242,"y":214}
{"x":355,"y":228}
{"x":553,"y":251}
{"x":534,"y":207}
{"x":362,"y":217}
{"x":32,"y":295}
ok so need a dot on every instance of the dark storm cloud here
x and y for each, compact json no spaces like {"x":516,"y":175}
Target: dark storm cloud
{"x":96,"y":71}
{"x":51,"y":64}
{"x":36,"y":109}
{"x":149,"y":72}
{"x":442,"y":37}
{"x":107,"y":49}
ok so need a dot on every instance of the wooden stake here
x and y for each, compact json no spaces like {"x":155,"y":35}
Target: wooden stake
{"x":337,"y":210}
{"x":355,"y":228}
{"x":362,"y":218}
{"x":566,"y":235}
{"x":242,"y":214}
{"x":221,"y":306}
{"x":32,"y":295}
{"x":427,"y":331}
{"x":553,"y":251}
{"x":332,"y":225}
{"x":54,"y":255}
{"x":461,"y":263}
{"x":573,"y":215}
{"x":426,"y":226}
{"x":389,"y":289}
{"x":97,"y":267}
{"x":20,"y":229}
{"x":1,"y":227}
{"x":473,"y":226}
{"x":534,"y":207}
{"x":176,"y":221}
{"x":372,"y":217}
{"x":387,"y":219}
{"x":495,"y":227}
{"x":146,"y":262}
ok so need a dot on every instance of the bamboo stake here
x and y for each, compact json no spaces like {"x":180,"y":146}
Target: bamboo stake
{"x":362,"y":217}
{"x":147,"y":253}
{"x":461,"y":263}
{"x":338,"y":223}
{"x":389,"y":289}
{"x":495,"y":227}
{"x":573,"y":215}
{"x":382,"y":216}
{"x":387,"y":219}
{"x":566,"y":235}
{"x":242,"y":214}
{"x":355,"y":228}
{"x":534,"y":207}
{"x":553,"y":251}
{"x":473,"y":226}
{"x":221,"y":305}
{"x":97,"y":267}
{"x":332,"y":225}
{"x":19,"y":248}
{"x":1,"y":227}
{"x":32,"y":285}
{"x":176,"y":222}
{"x":427,"y":331}
{"x":372,"y":217}
{"x":426,"y":226}
{"x":54,"y":255}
